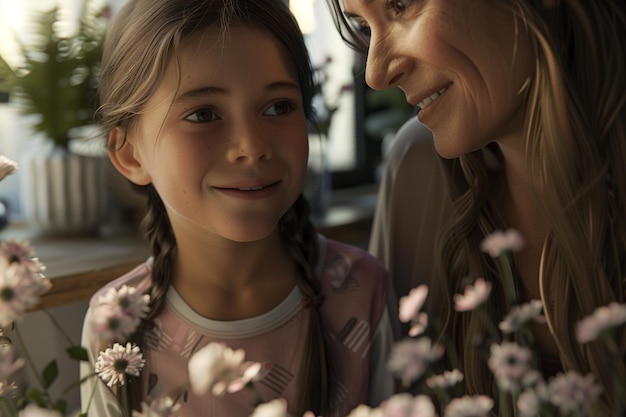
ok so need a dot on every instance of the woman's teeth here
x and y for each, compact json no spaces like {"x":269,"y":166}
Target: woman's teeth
{"x":422,"y":104}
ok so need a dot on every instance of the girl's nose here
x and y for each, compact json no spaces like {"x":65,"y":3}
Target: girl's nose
{"x":249,"y":143}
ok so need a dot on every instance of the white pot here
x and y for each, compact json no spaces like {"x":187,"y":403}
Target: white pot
{"x":65,"y":193}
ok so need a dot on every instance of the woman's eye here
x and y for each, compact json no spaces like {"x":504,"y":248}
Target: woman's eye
{"x":398,"y":6}
{"x":202,"y":116}
{"x":280,"y":108}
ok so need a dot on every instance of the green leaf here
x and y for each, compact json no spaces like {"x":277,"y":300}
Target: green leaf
{"x":78,"y":353}
{"x":38,"y":397}
{"x":50,"y":373}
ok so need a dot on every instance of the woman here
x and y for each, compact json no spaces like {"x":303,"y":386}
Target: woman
{"x":526,"y":104}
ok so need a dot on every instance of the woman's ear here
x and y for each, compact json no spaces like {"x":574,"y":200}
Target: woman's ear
{"x":125,"y":159}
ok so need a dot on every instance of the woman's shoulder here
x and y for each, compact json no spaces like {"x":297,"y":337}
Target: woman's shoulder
{"x":139,"y":278}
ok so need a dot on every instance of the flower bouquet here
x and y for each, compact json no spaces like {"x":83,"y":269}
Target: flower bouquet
{"x":218,"y":369}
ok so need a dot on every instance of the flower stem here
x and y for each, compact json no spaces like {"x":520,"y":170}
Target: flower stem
{"x":509,"y":284}
{"x":28,"y":358}
{"x":125,"y":402}
{"x":7,"y":407}
{"x":58,"y":327}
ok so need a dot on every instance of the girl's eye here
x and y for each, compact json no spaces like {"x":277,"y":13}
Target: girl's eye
{"x":280,"y":108}
{"x":202,"y":116}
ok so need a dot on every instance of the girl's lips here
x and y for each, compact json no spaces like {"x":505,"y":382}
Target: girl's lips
{"x":258,"y":192}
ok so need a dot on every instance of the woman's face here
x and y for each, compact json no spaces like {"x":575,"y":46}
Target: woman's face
{"x":223,"y":139}
{"x":462,"y":62}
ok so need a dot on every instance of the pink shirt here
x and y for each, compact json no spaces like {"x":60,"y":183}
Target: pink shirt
{"x":356,"y":323}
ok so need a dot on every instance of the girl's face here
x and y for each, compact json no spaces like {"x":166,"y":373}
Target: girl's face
{"x":463,"y":62}
{"x":224,"y":141}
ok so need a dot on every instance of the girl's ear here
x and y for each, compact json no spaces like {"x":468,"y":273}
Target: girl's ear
{"x":125,"y":159}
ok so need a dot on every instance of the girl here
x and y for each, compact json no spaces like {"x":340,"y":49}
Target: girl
{"x":205,"y":104}
{"x":525,"y":103}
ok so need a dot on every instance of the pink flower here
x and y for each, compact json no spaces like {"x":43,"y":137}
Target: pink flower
{"x":520,"y":315}
{"x":20,"y":290}
{"x":497,"y":242}
{"x":221,"y":369}
{"x":571,"y":392}
{"x":411,"y":304}
{"x":446,"y":380}
{"x":473,"y":296}
{"x":21,"y":252}
{"x":410,"y":358}
{"x":510,"y":363}
{"x":114,"y":363}
{"x":602,"y":319}
{"x":161,"y":407}
{"x":404,"y":404}
{"x":118,"y":312}
{"x":469,"y":406}
{"x":7,"y":167}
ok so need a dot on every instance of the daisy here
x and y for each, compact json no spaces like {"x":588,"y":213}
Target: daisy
{"x":510,"y":363}
{"x":118,"y":312}
{"x":473,"y":296}
{"x":469,"y":406}
{"x":20,"y":289}
{"x":571,"y":392}
{"x":497,"y":242}
{"x":221,"y":369}
{"x":410,"y":358}
{"x":115,"y":362}
{"x":602,"y":319}
{"x":522,"y":314}
{"x":161,"y":407}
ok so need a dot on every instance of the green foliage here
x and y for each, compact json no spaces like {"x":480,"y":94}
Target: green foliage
{"x":58,"y":77}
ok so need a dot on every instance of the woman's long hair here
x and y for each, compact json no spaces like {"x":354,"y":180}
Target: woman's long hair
{"x":141,"y":41}
{"x":575,"y":129}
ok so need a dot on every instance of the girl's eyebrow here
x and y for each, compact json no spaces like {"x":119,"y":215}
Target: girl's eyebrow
{"x":207,"y":91}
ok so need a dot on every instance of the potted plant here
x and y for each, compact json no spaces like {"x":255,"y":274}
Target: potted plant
{"x":56,"y":84}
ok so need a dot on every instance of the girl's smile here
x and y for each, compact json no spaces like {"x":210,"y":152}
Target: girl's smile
{"x":228,"y":119}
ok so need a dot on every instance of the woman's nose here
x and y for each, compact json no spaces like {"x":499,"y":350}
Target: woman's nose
{"x":249,"y":143}
{"x":383,"y":69}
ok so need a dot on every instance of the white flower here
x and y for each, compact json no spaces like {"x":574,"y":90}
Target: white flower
{"x":473,"y":296}
{"x":405,"y":404}
{"x":363,"y":410}
{"x":469,"y":406}
{"x":499,"y":241}
{"x":411,"y":304}
{"x":221,"y":369}
{"x":20,"y":289}
{"x":571,"y":392}
{"x":7,"y":167}
{"x":528,"y":403}
{"x":510,"y":363}
{"x":410,"y":358}
{"x":8,"y":389}
{"x":118,"y":312}
{"x":161,"y":407}
{"x":446,"y":380}
{"x":522,"y":314}
{"x":603,"y":318}
{"x":274,"y":408}
{"x":115,"y":362}
{"x":32,"y":410}
{"x":8,"y":365}
{"x":15,"y":251}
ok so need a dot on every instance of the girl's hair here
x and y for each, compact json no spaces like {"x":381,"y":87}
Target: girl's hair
{"x":145,"y":36}
{"x":575,"y":129}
